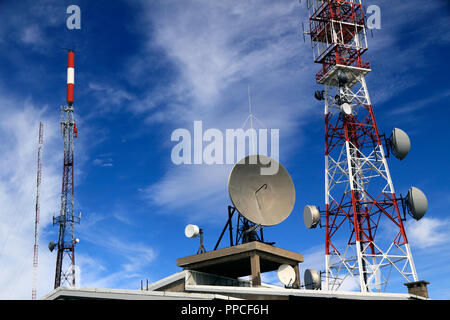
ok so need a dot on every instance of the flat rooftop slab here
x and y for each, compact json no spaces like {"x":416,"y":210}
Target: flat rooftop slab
{"x":68,"y":293}
{"x":235,"y":261}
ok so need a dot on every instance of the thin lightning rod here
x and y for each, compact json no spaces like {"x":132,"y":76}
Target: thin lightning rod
{"x":251,"y":119}
{"x":36,"y":221}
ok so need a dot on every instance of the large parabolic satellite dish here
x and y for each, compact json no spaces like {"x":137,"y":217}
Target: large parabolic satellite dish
{"x":264,"y":199}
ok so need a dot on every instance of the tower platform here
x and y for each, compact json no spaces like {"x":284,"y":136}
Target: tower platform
{"x":329,"y":75}
{"x":252,"y":258}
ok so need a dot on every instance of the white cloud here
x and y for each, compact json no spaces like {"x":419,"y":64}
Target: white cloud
{"x":110,"y":95}
{"x":103,"y":162}
{"x":194,"y":189}
{"x":399,"y":66}
{"x":428,"y":232}
{"x":217,"y":50}
{"x":18,"y":159}
{"x":19,"y":127}
{"x":32,"y":35}
{"x":27,"y":22}
{"x":214,"y":44}
{"x":134,"y":258}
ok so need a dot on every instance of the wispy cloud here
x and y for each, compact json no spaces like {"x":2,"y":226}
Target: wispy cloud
{"x":193,"y":188}
{"x":218,"y":50}
{"x":28,"y":27}
{"x":122,"y":259}
{"x":18,"y":160}
{"x":399,"y":52}
{"x":427,"y":102}
{"x":109,"y":95}
{"x":428,"y":232}
{"x":134,"y":257}
{"x":108,"y":162}
{"x":32,"y":35}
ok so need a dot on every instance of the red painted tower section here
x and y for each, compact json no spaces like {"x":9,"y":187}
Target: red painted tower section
{"x":70,"y":77}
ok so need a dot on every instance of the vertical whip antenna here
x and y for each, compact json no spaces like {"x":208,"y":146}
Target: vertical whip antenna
{"x":250,"y":114}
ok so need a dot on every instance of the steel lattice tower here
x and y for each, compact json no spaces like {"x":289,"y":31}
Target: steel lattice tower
{"x":65,"y":260}
{"x":359,"y":193}
{"x":37,"y":212}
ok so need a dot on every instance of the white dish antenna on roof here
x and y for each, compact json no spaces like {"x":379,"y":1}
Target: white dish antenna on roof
{"x":286,"y":275}
{"x":312,"y":279}
{"x":191,"y":231}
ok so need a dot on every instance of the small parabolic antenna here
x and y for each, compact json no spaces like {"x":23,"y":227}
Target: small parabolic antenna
{"x":400,"y":143}
{"x":191,"y":231}
{"x":346,"y":108}
{"x":286,"y":274}
{"x":311,"y":216}
{"x":51,"y":246}
{"x":319,"y":95}
{"x":264,"y":199}
{"x":342,"y":78}
{"x":312,"y":279}
{"x":417,"y":203}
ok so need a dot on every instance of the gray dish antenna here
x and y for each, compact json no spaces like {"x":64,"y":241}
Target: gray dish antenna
{"x":342,"y":78}
{"x":311,"y":216}
{"x":286,"y":275}
{"x":51,"y":246}
{"x":264,"y":199}
{"x":417,"y":203}
{"x":400,"y":143}
{"x":346,"y":108}
{"x":312,"y":279}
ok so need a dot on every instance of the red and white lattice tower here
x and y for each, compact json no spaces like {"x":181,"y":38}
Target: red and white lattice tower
{"x":65,"y":260}
{"x":359,"y":193}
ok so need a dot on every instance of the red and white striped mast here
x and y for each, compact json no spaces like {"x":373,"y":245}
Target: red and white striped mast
{"x":65,"y":261}
{"x":70,"y":76}
{"x":359,"y":193}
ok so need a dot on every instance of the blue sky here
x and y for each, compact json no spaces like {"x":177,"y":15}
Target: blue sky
{"x":146,"y":68}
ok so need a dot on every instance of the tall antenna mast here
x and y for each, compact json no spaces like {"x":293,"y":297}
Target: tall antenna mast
{"x":65,"y":268}
{"x":354,"y":158}
{"x":36,"y":220}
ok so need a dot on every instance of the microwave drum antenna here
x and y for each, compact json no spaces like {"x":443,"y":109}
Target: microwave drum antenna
{"x":417,"y":203}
